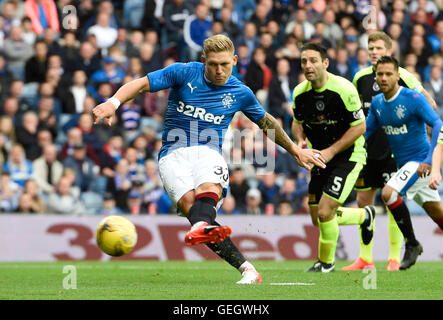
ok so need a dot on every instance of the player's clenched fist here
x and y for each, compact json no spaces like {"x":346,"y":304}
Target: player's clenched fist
{"x":104,"y":111}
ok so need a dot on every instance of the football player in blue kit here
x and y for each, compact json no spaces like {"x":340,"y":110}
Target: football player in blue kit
{"x":202,"y":102}
{"x":403,"y":114}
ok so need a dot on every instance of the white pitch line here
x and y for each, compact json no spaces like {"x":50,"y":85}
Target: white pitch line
{"x":291,"y":284}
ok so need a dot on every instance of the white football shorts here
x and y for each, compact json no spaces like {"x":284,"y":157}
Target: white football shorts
{"x":419,"y":191}
{"x":185,"y":169}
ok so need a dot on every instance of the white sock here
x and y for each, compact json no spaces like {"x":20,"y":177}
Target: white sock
{"x":246,"y":265}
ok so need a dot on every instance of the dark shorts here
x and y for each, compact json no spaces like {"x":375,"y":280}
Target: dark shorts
{"x":336,"y":182}
{"x":376,"y":174}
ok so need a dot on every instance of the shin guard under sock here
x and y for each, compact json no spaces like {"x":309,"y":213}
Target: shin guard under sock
{"x":204,"y":208}
{"x":402,"y":216}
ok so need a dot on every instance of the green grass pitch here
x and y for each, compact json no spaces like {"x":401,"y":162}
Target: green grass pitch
{"x":213,"y":280}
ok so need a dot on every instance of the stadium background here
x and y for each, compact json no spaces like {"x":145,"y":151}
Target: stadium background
{"x":61,"y":58}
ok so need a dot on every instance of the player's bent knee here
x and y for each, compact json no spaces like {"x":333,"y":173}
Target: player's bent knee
{"x":389,"y":195}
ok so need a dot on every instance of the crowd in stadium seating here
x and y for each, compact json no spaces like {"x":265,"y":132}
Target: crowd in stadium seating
{"x":58,"y":59}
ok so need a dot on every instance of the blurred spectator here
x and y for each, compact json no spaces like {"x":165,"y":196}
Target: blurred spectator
{"x":9,"y":193}
{"x":103,"y":31}
{"x":341,"y":66}
{"x":63,"y":201}
{"x":47,"y":118}
{"x":300,"y":18}
{"x":30,"y":201}
{"x":362,"y":61}
{"x":16,"y":93}
{"x":11,"y":109}
{"x":134,"y":202}
{"x":110,"y":155}
{"x":69,"y":51}
{"x":436,"y":39}
{"x":417,"y":46}
{"x":266,"y":42}
{"x":260,"y":17}
{"x":151,"y":186}
{"x":89,"y":135}
{"x":109,"y":207}
{"x":288,"y":192}
{"x":238,"y":187}
{"x":44,"y":138}
{"x":135,"y":164}
{"x":5,"y":79}
{"x":48,"y":170}
{"x":258,"y":76}
{"x":135,"y":68}
{"x":88,"y":61}
{"x":277,"y":33}
{"x":395,"y":31}
{"x":43,"y":15}
{"x":435,"y":85}
{"x":229,"y":206}
{"x":17,"y":52}
{"x":7,"y":138}
{"x":109,"y":73}
{"x":253,"y":202}
{"x":249,"y":37}
{"x":135,"y":41}
{"x":280,"y":92}
{"x":150,"y":59}
{"x":50,"y":38}
{"x":332,"y":31}
{"x":229,"y":26}
{"x":19,"y":168}
{"x":351,"y":45}
{"x":26,"y":134}
{"x":75,"y":137}
{"x":35,"y":67}
{"x":133,"y":13}
{"x":319,"y":36}
{"x":195,"y":31}
{"x":120,"y":184}
{"x":86,"y":170}
{"x":175,"y":13}
{"x":268,"y":188}
{"x":243,"y":62}
{"x":79,"y":91}
{"x":284,"y":208}
{"x":9,"y":14}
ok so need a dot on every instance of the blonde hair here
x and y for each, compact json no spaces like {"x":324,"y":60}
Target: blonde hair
{"x":218,"y":43}
{"x":380,"y":35}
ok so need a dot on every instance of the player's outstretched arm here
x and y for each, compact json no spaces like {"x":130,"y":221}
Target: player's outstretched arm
{"x":106,"y":110}
{"x":305,"y":157}
{"x":435,"y":179}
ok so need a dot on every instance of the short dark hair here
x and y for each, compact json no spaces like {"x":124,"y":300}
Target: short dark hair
{"x":387,"y":59}
{"x":316,"y":47}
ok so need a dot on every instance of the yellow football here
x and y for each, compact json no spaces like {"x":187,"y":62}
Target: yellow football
{"x":116,"y":236}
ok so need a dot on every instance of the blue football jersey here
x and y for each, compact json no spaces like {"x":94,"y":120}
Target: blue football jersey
{"x":403,"y":119}
{"x":200,"y":112}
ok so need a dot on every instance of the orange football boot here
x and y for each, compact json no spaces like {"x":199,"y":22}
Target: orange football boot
{"x":393,"y":265}
{"x":359,"y":264}
{"x":201,"y":232}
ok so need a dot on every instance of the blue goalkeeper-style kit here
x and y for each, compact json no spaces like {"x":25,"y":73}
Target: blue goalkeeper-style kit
{"x":199,"y":112}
